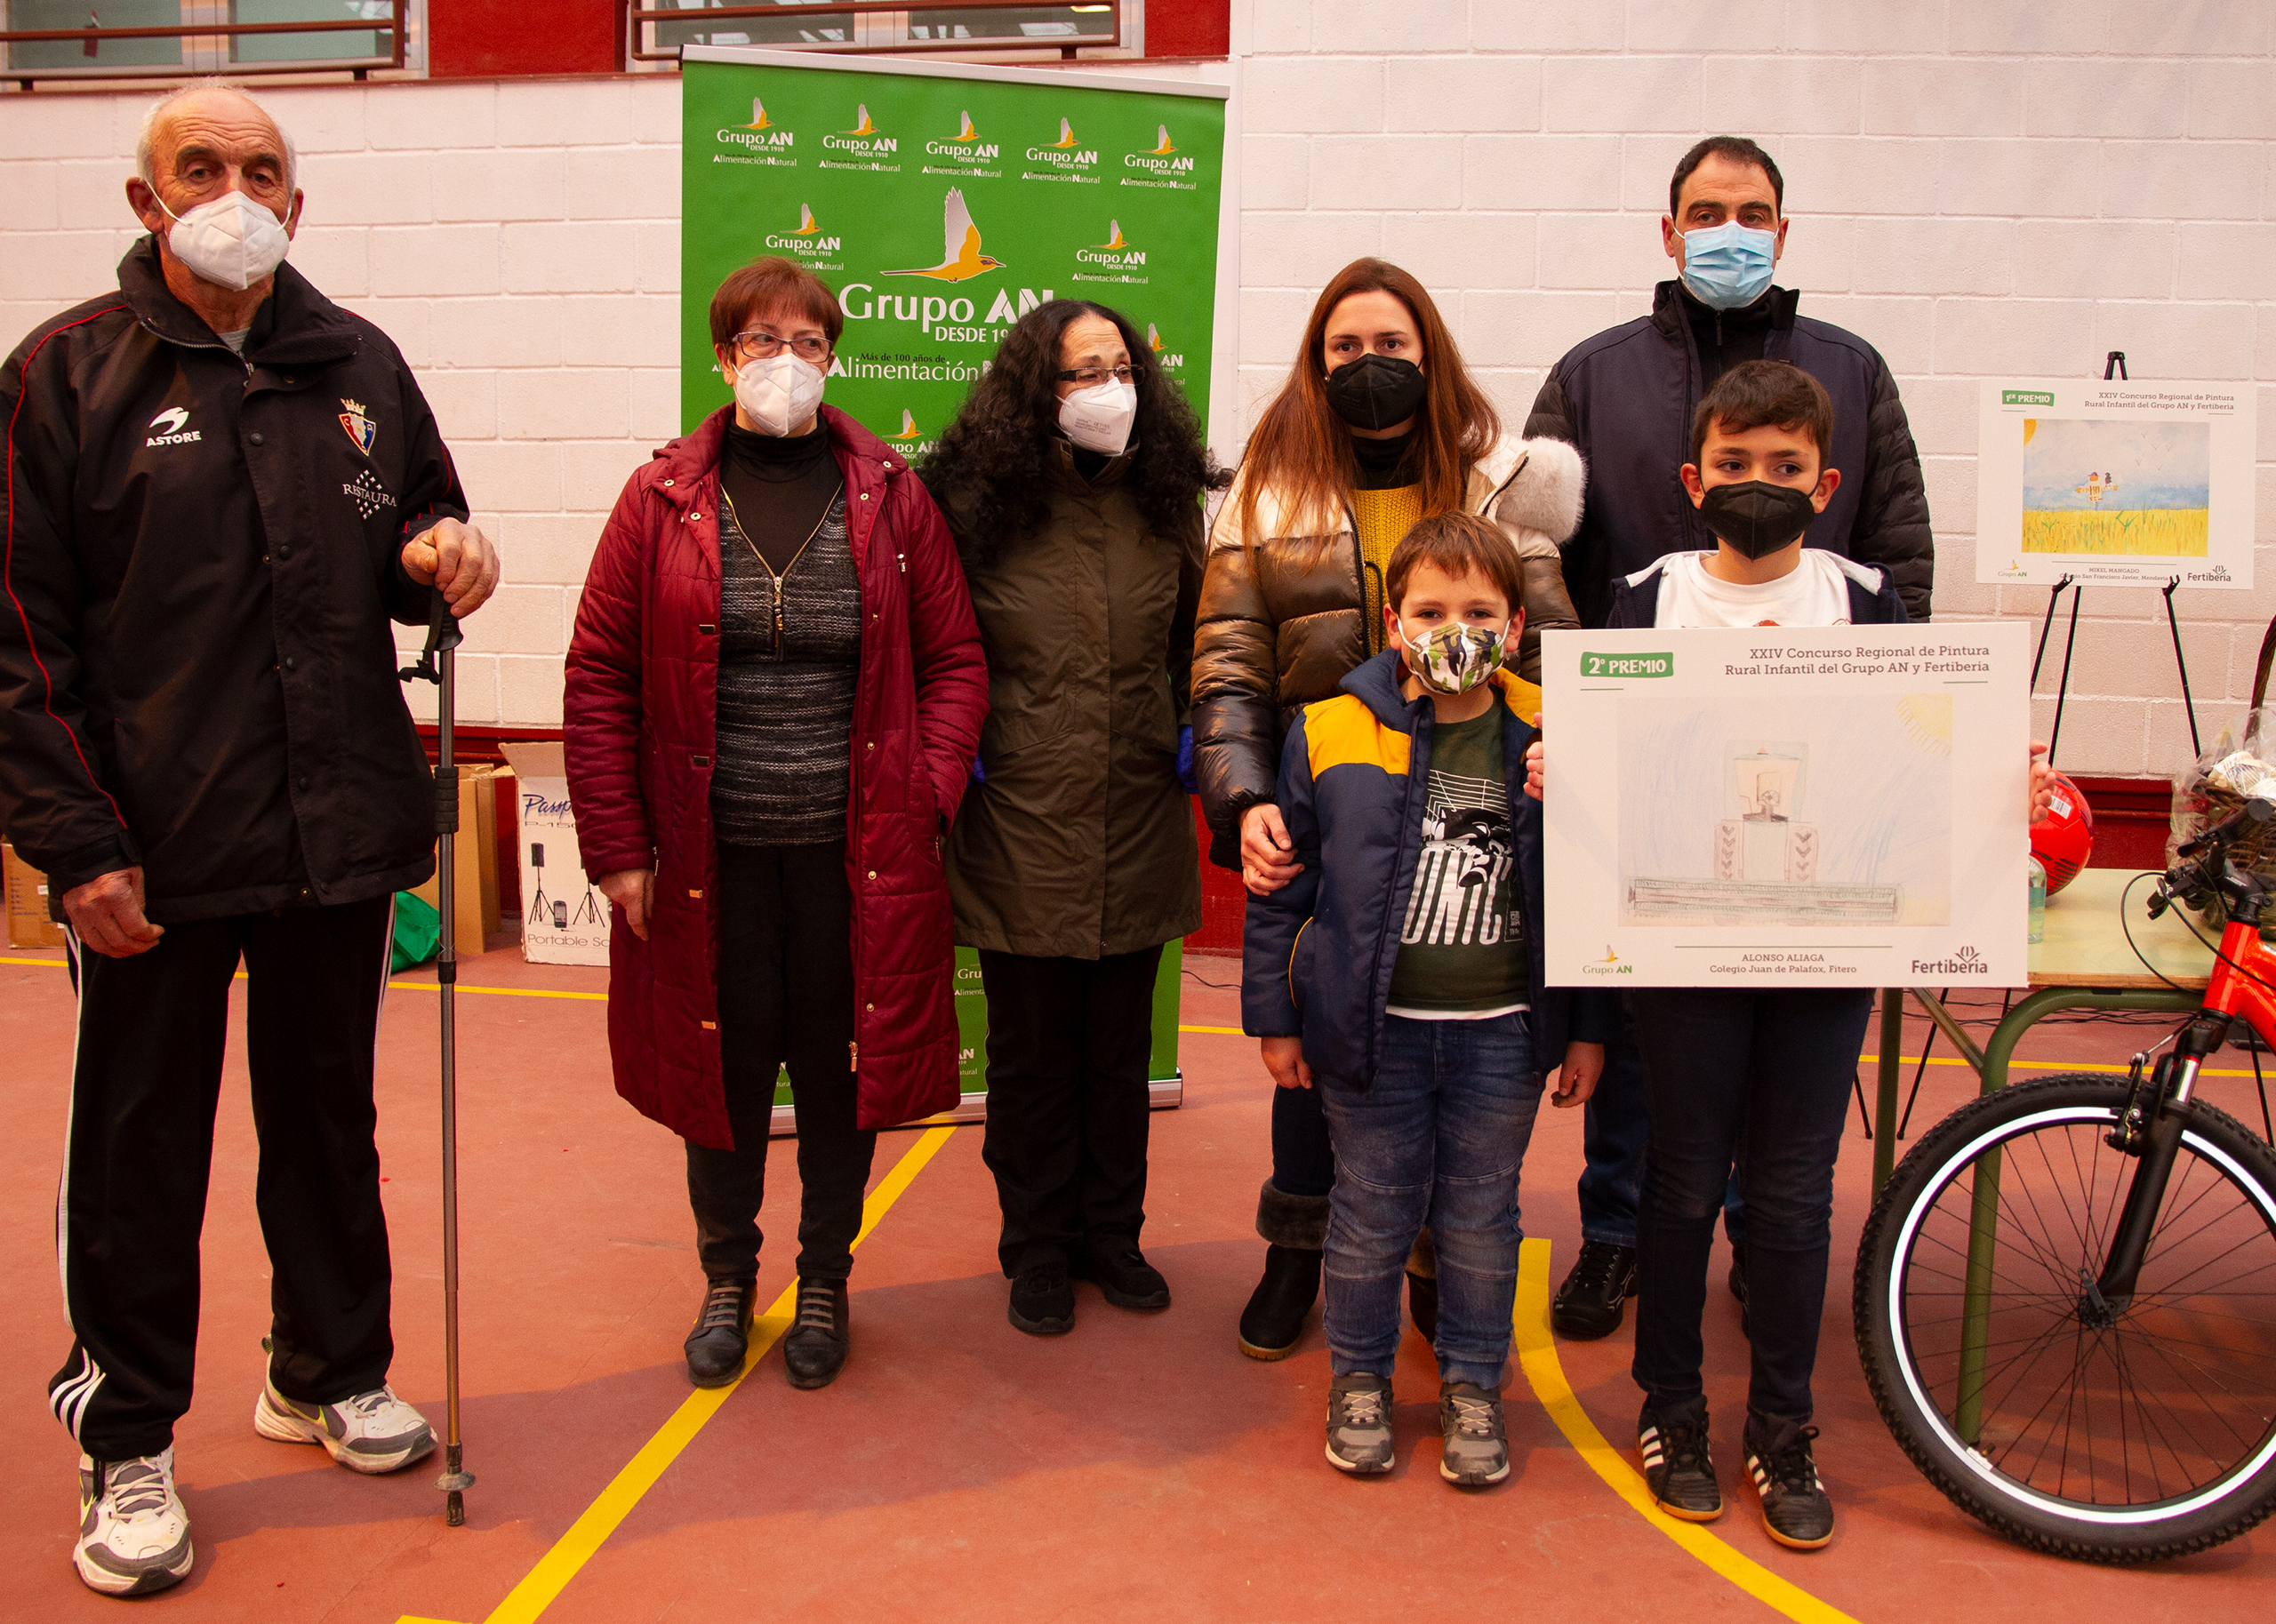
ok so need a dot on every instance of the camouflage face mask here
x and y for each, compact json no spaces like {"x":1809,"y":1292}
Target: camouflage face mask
{"x":1455,"y":658}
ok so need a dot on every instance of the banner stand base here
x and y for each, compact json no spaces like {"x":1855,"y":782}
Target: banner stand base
{"x":1163,"y":1094}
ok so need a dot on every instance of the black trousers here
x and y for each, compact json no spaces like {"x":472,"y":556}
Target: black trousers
{"x":1769,"y":1069}
{"x":786,"y":998}
{"x":1069,"y":1041}
{"x":146,"y":1081}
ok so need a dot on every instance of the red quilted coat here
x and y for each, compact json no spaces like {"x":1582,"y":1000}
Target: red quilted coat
{"x":640,"y":725}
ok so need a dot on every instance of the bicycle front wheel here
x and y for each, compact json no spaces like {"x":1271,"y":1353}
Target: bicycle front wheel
{"x":2117,"y":1434}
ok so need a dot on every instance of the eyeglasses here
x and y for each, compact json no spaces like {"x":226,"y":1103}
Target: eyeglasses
{"x":760,"y":346}
{"x":1090,"y":377}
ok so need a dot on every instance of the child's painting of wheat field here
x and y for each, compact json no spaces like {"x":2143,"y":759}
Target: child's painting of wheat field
{"x":2096,"y":485}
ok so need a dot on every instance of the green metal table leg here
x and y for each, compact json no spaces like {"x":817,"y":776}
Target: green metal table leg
{"x":1885,"y":1104}
{"x":1984,"y":1212}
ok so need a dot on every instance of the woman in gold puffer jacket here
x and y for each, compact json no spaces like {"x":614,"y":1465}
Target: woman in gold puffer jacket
{"x":1378,"y":425}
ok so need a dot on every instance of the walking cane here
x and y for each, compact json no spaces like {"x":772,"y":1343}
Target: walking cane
{"x":443,"y":638}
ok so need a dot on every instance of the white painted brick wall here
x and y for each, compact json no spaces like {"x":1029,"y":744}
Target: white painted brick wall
{"x":1975,"y":185}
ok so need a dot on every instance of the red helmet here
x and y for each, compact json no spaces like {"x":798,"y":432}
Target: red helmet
{"x":2066,"y":839}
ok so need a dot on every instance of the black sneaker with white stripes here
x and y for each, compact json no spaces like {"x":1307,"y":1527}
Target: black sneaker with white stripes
{"x":1678,"y":1467}
{"x":1796,"y":1509}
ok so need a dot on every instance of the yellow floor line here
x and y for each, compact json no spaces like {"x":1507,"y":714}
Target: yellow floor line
{"x":590,"y":1532}
{"x":1537,"y":1354}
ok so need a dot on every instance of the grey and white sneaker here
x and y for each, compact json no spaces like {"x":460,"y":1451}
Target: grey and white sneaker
{"x":133,"y":1533}
{"x":1476,"y":1450}
{"x":372,"y":1432}
{"x":1359,"y":1424}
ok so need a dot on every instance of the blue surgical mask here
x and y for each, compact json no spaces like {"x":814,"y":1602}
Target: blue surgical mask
{"x":1727,"y":265}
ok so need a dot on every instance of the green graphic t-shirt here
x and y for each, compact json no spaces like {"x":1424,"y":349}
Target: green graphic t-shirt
{"x":1462,"y":949}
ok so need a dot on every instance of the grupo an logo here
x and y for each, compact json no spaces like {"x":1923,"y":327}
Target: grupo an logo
{"x":961,"y":258}
{"x":169,"y":427}
{"x":1611,"y":963}
{"x":1064,"y":159}
{"x":965,"y":146}
{"x":1115,"y":256}
{"x":808,"y":242}
{"x":1966,"y":960}
{"x":913,"y":441}
{"x":762,"y":141}
{"x":1159,"y":165}
{"x":865,"y":146}
{"x":1171,"y":361}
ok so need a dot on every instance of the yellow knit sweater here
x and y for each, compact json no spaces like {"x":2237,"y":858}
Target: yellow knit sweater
{"x":1384,"y":517}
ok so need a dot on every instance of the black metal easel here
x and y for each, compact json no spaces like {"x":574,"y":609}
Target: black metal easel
{"x":2114,"y":367}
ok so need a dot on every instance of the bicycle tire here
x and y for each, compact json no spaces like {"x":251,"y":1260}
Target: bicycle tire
{"x":1909,"y":1231}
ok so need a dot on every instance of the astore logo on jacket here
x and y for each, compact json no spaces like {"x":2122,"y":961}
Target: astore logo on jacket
{"x":166,"y":429}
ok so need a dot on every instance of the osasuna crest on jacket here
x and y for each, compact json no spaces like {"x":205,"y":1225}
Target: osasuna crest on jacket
{"x":203,"y":555}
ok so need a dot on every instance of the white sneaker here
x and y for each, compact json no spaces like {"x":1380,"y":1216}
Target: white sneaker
{"x":372,"y":1432}
{"x":133,"y":1533}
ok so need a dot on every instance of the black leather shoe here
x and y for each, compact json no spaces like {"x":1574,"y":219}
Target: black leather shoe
{"x":1125,"y":1279}
{"x":1043,"y":1300}
{"x":722,"y":1335}
{"x":815,"y":1350}
{"x":1594,"y":1296}
{"x":1274,"y":1320}
{"x":1422,"y":1305}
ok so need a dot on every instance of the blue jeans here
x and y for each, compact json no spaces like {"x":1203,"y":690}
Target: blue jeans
{"x":1436,"y":1138}
{"x":1772,"y":1069}
{"x":1614,"y":1134}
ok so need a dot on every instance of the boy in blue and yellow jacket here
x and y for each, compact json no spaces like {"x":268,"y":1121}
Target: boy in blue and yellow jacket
{"x":1400,"y":974}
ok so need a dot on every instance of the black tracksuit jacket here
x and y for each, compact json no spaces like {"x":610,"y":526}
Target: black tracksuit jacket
{"x":202,"y":556}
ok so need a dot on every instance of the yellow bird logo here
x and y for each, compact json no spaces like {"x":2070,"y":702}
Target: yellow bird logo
{"x":960,"y":256}
{"x":1610,"y":957}
{"x":1162,"y":132}
{"x":1066,"y":136}
{"x":967,"y":133}
{"x":909,"y":429}
{"x":1153,"y":337}
{"x":758,"y":118}
{"x":861,"y":125}
{"x":1114,"y":235}
{"x":807,"y":227}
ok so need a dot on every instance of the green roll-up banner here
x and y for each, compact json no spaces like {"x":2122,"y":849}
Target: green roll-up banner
{"x":940,"y":202}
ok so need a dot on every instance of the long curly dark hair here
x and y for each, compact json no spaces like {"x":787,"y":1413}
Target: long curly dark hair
{"x":994,"y":452}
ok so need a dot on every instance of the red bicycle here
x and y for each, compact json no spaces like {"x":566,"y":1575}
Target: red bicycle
{"x":2065,"y":1296}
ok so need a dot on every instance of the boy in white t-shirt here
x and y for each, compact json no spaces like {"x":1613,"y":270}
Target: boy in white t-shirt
{"x":1756,"y":478}
{"x":1766,"y":1069}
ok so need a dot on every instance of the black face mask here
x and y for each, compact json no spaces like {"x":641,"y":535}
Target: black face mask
{"x":1375,"y":391}
{"x":1757,"y":517}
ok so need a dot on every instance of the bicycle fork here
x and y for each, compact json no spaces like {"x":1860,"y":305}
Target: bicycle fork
{"x":2149,"y":1129}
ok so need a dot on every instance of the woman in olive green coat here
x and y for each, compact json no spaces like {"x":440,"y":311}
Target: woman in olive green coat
{"x":1072,"y":479}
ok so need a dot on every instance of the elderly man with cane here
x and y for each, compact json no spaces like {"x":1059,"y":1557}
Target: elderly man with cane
{"x":221,"y":488}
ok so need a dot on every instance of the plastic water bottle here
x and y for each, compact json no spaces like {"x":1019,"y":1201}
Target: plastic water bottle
{"x":2038,"y":900}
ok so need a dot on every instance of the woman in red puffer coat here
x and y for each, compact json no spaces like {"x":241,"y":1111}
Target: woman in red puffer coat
{"x":774,"y":693}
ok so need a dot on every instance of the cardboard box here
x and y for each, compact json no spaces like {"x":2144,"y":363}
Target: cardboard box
{"x":28,"y":925}
{"x":564,"y":920}
{"x":475,"y":859}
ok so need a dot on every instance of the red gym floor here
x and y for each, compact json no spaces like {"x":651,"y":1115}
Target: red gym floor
{"x":1138,"y":1468}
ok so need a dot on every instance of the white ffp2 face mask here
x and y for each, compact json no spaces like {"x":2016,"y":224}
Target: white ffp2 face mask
{"x":231,"y":242}
{"x":779,"y":393}
{"x":1098,"y":419}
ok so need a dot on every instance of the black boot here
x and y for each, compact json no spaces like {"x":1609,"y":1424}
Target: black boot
{"x":1296,"y":1226}
{"x":722,"y":1334}
{"x":815,"y":1350}
{"x":1274,"y":1320}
